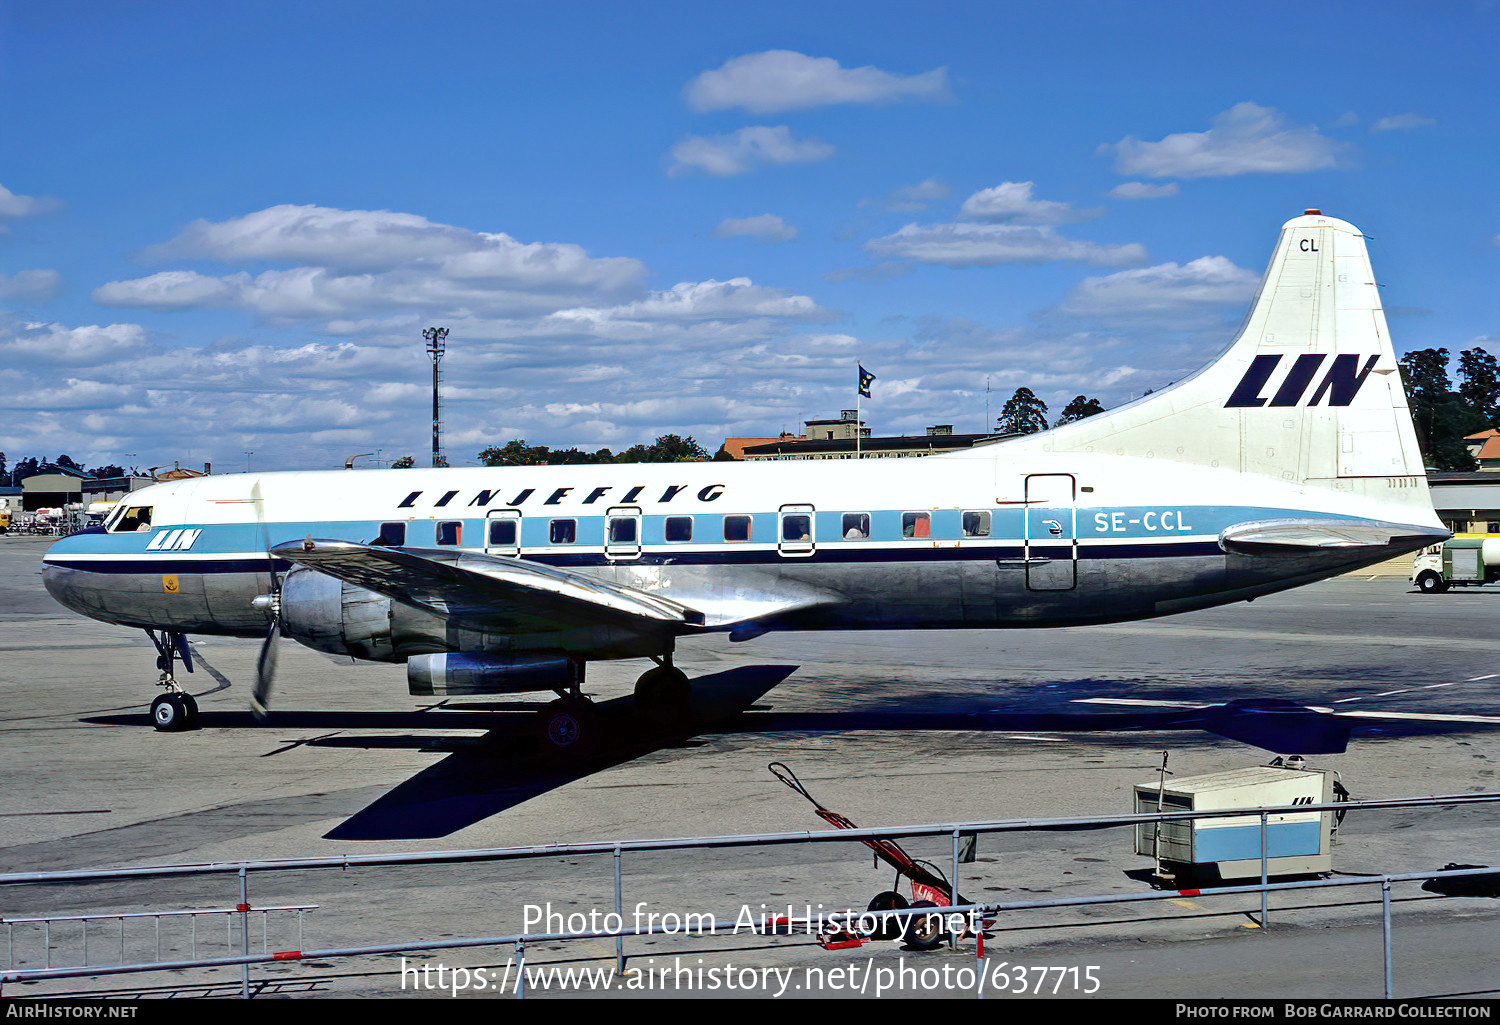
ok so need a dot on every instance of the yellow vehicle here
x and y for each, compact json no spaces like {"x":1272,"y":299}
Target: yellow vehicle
{"x":4,"y":521}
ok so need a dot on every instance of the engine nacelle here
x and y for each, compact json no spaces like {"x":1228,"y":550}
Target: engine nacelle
{"x":330,"y":615}
{"x":460,"y":672}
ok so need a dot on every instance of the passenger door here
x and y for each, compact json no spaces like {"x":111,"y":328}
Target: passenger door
{"x":622,"y":533}
{"x":795,"y":531}
{"x":502,"y":532}
{"x":1051,"y":532}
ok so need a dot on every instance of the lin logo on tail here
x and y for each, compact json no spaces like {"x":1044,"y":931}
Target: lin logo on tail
{"x":1342,"y":381}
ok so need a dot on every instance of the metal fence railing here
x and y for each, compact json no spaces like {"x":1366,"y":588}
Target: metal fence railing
{"x":617,"y":850}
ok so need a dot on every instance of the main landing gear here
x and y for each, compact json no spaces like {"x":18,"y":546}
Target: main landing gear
{"x":175,"y":710}
{"x":663,"y":696}
{"x":569,"y":728}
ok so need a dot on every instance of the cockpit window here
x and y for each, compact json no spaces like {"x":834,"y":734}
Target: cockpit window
{"x":137,"y":517}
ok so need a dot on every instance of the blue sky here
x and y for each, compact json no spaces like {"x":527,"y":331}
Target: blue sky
{"x":223,"y":226}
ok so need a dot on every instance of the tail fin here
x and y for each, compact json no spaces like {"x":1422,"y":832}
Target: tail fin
{"x":1308,"y":393}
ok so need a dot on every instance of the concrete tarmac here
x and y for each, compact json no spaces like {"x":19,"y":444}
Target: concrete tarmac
{"x":887,"y":728}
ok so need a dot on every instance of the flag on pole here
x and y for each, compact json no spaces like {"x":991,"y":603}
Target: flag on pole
{"x":865,"y":377}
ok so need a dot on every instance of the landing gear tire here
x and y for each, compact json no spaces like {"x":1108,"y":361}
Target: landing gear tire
{"x":569,"y":729}
{"x":924,"y":932}
{"x":173,"y":713}
{"x":889,"y":928}
{"x":1431,"y":583}
{"x":664,"y":697}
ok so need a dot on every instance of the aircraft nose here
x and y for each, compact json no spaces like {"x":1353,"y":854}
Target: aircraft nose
{"x":58,"y":572}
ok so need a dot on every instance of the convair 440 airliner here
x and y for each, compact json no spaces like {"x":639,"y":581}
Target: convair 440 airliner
{"x":1288,"y":459}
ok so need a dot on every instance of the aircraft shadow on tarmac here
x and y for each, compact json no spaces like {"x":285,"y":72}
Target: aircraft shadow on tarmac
{"x":484,"y":776}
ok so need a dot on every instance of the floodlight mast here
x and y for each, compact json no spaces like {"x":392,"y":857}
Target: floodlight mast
{"x":436,"y":338}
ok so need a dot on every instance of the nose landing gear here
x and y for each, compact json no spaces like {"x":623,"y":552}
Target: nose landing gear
{"x":175,"y":710}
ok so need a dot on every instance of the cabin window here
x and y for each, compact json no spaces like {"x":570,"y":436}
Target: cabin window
{"x":622,"y":530}
{"x":392,"y":535}
{"x":977,"y":524}
{"x":502,"y":532}
{"x":564,"y":532}
{"x":679,"y":528}
{"x":916,"y":524}
{"x":736,"y":528}
{"x":1492,"y":527}
{"x":796,"y":527}
{"x":137,"y":517}
{"x":856,"y":526}
{"x":450,"y":532}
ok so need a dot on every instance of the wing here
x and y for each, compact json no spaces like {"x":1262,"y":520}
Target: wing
{"x":479,"y":590}
{"x":1295,"y":537}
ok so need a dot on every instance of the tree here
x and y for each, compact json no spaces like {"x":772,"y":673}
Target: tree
{"x":404,"y":463}
{"x":1441,"y":416}
{"x":669,"y":448}
{"x":1079,"y":408}
{"x":28,"y":467}
{"x":1481,"y":385}
{"x":578,"y":457}
{"x":1023,"y":413}
{"x":107,"y":472}
{"x":4,"y":474}
{"x":515,"y":453}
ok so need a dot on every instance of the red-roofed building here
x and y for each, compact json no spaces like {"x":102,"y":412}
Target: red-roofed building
{"x":734,"y":448}
{"x":1485,"y":448}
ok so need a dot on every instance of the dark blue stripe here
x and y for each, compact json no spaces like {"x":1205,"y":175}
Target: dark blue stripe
{"x":824,"y":556}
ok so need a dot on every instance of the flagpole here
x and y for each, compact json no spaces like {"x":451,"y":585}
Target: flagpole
{"x":858,"y":415}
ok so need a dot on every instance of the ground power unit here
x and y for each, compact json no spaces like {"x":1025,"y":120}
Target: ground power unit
{"x":1229,"y":847}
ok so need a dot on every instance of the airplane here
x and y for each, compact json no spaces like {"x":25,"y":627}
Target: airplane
{"x":1289,"y":458}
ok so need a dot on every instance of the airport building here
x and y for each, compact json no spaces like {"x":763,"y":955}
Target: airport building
{"x":835,"y":439}
{"x":1468,"y":503}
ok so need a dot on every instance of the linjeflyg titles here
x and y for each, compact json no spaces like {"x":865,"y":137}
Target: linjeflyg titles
{"x":512,"y":499}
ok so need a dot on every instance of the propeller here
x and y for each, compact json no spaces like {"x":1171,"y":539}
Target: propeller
{"x":265,"y":664}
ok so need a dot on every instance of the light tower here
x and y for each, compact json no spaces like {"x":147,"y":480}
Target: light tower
{"x":436,"y":337}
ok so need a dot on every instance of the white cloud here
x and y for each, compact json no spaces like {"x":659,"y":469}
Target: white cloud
{"x":744,"y":151}
{"x":706,"y":300}
{"x":912,"y":197}
{"x":12,"y":205}
{"x":1402,"y":123}
{"x":373,"y":263}
{"x":986,"y":245}
{"x":767,"y":227}
{"x":30,"y":285}
{"x":315,"y":234}
{"x":1245,"y":139}
{"x":1143,"y":190}
{"x":1209,"y":283}
{"x":1012,"y":203}
{"x":54,"y":344}
{"x":779,"y":80}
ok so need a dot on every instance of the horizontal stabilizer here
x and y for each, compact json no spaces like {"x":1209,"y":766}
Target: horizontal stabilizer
{"x":482,"y":590}
{"x":1298,"y":536}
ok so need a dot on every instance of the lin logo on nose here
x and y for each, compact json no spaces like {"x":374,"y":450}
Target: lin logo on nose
{"x":173,"y":540}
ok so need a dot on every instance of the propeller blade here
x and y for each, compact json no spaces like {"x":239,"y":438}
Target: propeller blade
{"x":265,"y":672}
{"x":265,"y":665}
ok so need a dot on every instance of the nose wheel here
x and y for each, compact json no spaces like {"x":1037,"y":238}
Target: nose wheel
{"x":175,"y":710}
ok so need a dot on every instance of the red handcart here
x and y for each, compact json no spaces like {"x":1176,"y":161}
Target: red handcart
{"x":929,"y":886}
